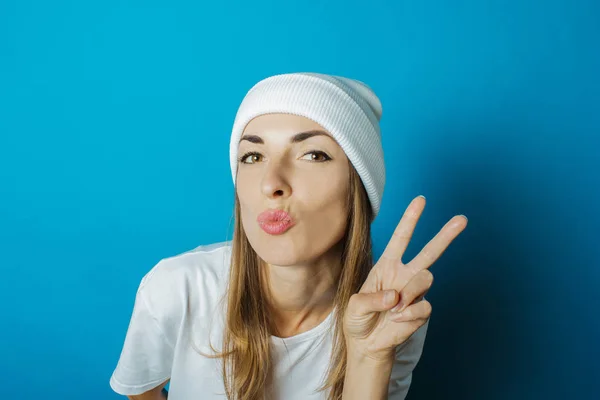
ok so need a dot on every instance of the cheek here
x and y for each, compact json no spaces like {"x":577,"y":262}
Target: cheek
{"x":245,"y":204}
{"x":328,"y":194}
{"x":328,"y":217}
{"x":246,"y":214}
{"x":326,"y":213}
{"x":244,"y":190}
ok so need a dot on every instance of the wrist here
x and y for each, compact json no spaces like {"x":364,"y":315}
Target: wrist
{"x":361,"y":356}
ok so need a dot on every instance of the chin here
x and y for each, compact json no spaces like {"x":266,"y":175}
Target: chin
{"x":276,"y":249}
{"x":279,"y":260}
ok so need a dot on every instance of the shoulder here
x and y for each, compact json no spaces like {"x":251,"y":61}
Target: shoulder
{"x":210,"y":261}
{"x":195,"y":277}
{"x":172,"y":293}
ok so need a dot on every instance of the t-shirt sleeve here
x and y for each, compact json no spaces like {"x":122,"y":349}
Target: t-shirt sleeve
{"x":147,"y":354}
{"x":408,"y":355}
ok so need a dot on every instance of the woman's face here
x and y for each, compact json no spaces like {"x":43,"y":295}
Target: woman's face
{"x":306,"y":176}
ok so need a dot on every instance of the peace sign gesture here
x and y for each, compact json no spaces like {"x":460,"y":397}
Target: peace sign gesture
{"x":372,"y":326}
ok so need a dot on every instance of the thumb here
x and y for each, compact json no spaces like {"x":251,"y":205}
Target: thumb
{"x":366,"y":303}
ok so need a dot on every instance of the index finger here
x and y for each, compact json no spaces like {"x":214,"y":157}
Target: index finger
{"x":404,"y":230}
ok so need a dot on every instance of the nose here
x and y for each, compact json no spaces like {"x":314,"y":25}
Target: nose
{"x":275,"y":183}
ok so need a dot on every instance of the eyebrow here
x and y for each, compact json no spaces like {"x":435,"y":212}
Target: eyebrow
{"x":295,"y":139}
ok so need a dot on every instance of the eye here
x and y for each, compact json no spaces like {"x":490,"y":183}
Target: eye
{"x":315,"y":154}
{"x":246,"y":155}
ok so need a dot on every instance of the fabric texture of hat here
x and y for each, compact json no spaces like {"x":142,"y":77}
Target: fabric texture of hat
{"x":347,"y":108}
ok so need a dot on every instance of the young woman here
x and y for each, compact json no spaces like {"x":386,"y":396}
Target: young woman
{"x":292,"y":307}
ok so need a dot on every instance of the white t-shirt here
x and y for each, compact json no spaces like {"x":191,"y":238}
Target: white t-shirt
{"x":179,"y":300}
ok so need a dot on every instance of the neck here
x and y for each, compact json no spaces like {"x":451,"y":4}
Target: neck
{"x":301,"y":296}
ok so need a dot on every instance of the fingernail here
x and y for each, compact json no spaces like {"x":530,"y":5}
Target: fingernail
{"x":464,"y":216}
{"x":421,"y":196}
{"x":398,"y":307}
{"x":389,"y":296}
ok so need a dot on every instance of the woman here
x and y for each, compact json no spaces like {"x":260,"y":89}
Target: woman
{"x":292,"y":307}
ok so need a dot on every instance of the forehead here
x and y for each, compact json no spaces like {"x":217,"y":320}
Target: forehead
{"x":281,"y":123}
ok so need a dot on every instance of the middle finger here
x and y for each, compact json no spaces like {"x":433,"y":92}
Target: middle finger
{"x":436,"y":246}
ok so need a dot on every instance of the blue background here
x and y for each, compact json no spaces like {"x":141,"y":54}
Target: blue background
{"x":114,"y":129}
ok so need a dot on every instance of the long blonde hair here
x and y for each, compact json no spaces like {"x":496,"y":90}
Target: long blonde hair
{"x":247,"y":365}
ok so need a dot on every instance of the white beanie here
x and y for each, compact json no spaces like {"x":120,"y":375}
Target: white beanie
{"x":347,"y":108}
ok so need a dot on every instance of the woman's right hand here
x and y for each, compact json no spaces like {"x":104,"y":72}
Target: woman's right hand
{"x":371,"y":328}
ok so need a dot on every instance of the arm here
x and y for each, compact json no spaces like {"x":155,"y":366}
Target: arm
{"x":146,"y":359}
{"x":367,"y":378}
{"x":158,"y":393}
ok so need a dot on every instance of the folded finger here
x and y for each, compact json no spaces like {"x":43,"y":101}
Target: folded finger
{"x":414,"y":290}
{"x":420,"y":311}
